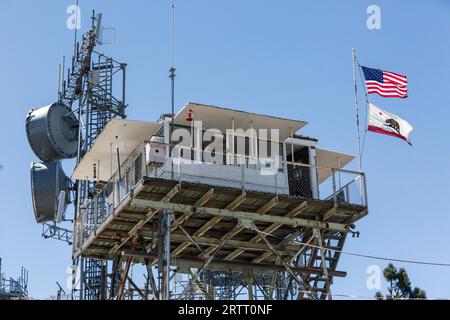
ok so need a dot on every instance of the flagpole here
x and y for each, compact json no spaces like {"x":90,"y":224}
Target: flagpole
{"x":358,"y":138}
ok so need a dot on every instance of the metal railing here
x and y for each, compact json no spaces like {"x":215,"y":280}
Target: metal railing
{"x":264,"y":175}
{"x":268,"y":175}
{"x":108,"y":195}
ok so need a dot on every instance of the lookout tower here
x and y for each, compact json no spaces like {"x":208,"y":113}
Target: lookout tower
{"x":220,"y":220}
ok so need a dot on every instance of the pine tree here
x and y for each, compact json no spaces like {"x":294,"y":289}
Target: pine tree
{"x":399,"y":285}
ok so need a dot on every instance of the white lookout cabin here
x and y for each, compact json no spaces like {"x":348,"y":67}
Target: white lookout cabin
{"x":291,"y":164}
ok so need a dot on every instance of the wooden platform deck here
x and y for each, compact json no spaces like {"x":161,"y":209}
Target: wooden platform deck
{"x":206,"y":215}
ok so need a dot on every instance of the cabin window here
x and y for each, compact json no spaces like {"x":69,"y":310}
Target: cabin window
{"x":138,"y":168}
{"x":299,"y":176}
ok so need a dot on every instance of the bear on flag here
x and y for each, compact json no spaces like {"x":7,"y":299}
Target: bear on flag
{"x":383,"y":122}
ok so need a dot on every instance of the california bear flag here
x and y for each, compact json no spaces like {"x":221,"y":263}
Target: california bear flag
{"x":383,"y":122}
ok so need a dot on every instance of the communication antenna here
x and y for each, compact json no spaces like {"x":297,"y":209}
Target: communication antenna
{"x":61,"y":208}
{"x":76,"y":28}
{"x":98,"y":26}
{"x":59,"y":82}
{"x":100,"y":30}
{"x":172,"y":80}
{"x":61,"y":78}
{"x":172,"y":32}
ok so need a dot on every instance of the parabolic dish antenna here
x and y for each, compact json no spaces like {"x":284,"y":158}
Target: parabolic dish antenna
{"x":48,"y":184}
{"x":52,"y":132}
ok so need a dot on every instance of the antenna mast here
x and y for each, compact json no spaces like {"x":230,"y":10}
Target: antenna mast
{"x":172,"y":80}
{"x":75,"y":30}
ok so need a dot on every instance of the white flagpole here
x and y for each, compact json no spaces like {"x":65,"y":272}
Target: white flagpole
{"x":358,"y":138}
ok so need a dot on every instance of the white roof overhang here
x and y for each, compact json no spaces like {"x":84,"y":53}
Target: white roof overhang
{"x":330,"y":159}
{"x":222,"y":119}
{"x":123,"y":134}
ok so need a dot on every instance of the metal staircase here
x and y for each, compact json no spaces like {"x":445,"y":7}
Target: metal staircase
{"x":330,"y":256}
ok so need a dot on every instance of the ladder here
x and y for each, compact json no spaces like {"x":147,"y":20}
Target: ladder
{"x":81,"y":62}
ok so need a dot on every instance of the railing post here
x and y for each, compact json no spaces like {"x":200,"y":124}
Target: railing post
{"x":179,"y":166}
{"x":115,"y":190}
{"x":317,"y":183}
{"x":242,"y":175}
{"x":363,"y":177}
{"x":83,"y":221}
{"x":333,"y":178}
{"x":96,"y":207}
{"x":144,"y":160}
{"x":75,"y":236}
{"x":276,"y":181}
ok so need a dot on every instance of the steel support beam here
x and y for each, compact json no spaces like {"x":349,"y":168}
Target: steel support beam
{"x":151,"y":213}
{"x":264,"y":209}
{"x":294,"y":222}
{"x":211,"y":257}
{"x":305,"y":286}
{"x":207,"y":226}
{"x":206,"y":241}
{"x":294,"y":212}
{"x":184,"y":264}
{"x":200,"y":202}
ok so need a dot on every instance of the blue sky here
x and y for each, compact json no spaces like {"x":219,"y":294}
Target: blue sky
{"x":286,"y":58}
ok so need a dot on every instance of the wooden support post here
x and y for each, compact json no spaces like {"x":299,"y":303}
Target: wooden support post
{"x":160,"y":244}
{"x":133,"y":284}
{"x":273,"y":283}
{"x":115,"y":269}
{"x":150,"y":278}
{"x":103,"y":283}
{"x":250,"y":285}
{"x":166,"y":273}
{"x":121,"y":290}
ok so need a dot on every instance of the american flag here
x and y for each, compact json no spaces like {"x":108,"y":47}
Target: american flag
{"x":386,"y":84}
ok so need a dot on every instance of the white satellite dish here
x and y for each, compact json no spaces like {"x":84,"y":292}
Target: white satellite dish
{"x":50,"y":190}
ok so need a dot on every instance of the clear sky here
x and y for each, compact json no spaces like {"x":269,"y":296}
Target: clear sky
{"x":285,"y":58}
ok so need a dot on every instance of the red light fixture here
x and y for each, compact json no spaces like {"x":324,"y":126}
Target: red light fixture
{"x":189,"y":116}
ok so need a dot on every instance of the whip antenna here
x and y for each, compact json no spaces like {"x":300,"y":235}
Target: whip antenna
{"x":172,"y":80}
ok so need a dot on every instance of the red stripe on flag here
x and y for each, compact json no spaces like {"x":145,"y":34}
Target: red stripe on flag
{"x":387,"y":90}
{"x":395,"y":75}
{"x":390,"y":77}
{"x":389,"y":133}
{"x":392,"y":89}
{"x":386,"y":85}
{"x":388,"y":95}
